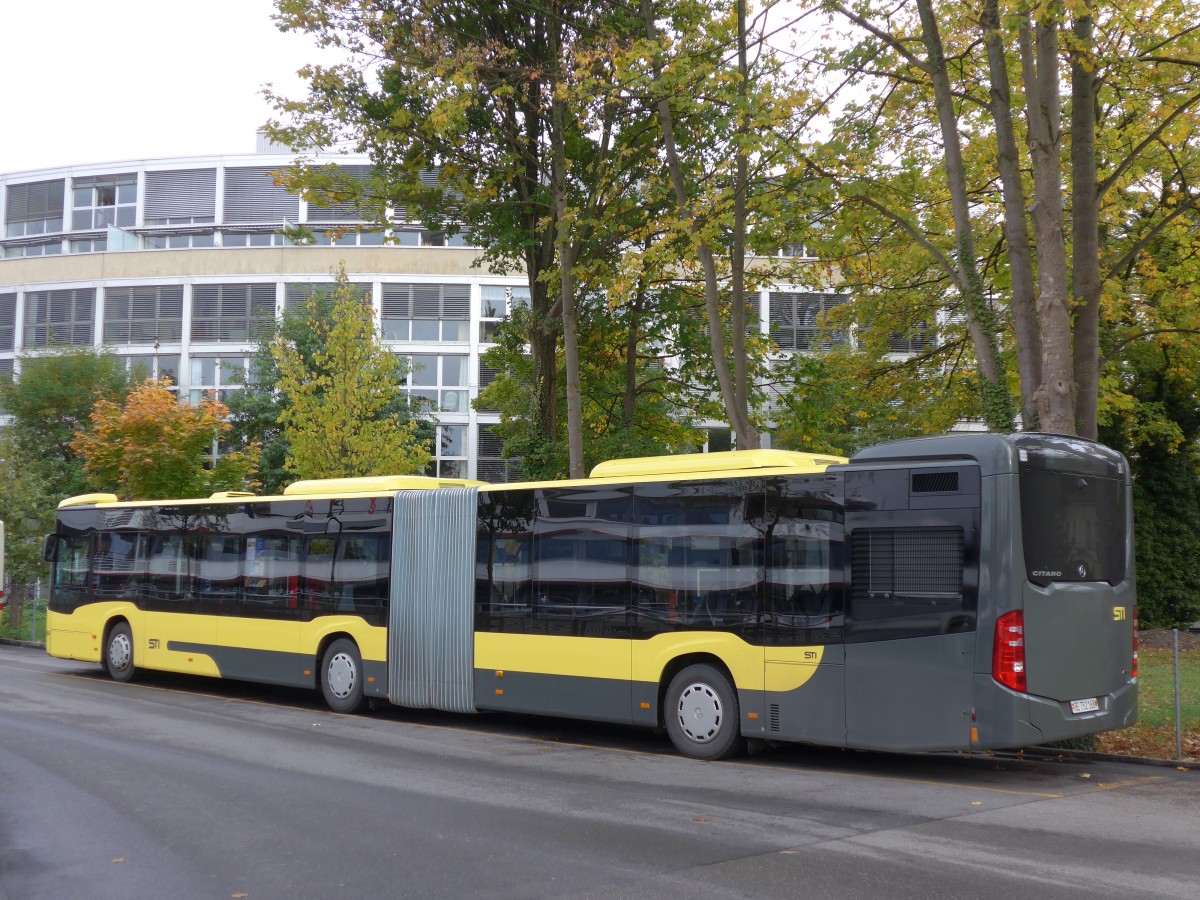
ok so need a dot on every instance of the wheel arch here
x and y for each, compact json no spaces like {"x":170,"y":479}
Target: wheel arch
{"x":677,"y":665}
{"x":323,"y":645}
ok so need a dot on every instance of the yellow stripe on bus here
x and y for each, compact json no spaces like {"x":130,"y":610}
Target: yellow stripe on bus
{"x":786,"y":669}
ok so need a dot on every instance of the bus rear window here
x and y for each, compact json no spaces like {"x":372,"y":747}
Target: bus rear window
{"x":1073,"y":526}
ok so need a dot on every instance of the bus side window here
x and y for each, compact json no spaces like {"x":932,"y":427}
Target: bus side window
{"x":218,"y":570}
{"x":167,"y":585}
{"x":271,"y":576}
{"x":361,"y":576}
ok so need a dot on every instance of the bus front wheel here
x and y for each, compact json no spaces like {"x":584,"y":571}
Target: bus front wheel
{"x":702,"y":714}
{"x":118,"y":652}
{"x":342,"y":676}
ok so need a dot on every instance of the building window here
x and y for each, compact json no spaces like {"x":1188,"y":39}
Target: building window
{"x":100,"y":202}
{"x":59,"y":317}
{"x":426,"y":312}
{"x":438,"y":382}
{"x":156,"y":365}
{"x":796,"y":319}
{"x":495,"y":304}
{"x":490,"y":464}
{"x":98,"y":245}
{"x":38,"y":248}
{"x":143,"y":315}
{"x":34,"y":208}
{"x":8,"y":322}
{"x":452,"y":451}
{"x":231,"y":312}
{"x":348,"y":239}
{"x":217,"y":373}
{"x":178,"y":241}
{"x":253,"y":239}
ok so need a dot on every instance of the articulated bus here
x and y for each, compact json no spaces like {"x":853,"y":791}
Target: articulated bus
{"x":961,"y":592}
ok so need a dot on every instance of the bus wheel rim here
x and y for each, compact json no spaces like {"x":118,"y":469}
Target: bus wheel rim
{"x":341,"y":675}
{"x":120,"y":651}
{"x":700,"y":713}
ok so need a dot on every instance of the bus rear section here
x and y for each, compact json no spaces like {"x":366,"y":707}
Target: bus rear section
{"x":1064,"y":655}
{"x":992,"y":599}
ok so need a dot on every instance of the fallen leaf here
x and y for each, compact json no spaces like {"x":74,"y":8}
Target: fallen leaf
{"x":119,"y":859}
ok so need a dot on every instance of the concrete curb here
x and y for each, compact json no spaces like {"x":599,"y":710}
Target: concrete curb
{"x":33,"y":645}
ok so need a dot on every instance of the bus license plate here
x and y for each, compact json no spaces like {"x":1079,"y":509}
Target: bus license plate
{"x":1081,"y":706}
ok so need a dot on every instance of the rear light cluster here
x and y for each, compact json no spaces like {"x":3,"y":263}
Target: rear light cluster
{"x":1008,"y":651}
{"x":1134,"y":665}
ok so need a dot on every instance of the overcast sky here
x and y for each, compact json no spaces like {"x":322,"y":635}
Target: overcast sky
{"x":88,"y":81}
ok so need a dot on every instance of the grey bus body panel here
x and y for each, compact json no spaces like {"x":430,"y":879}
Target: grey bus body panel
{"x":570,"y":696}
{"x":431,"y":633}
{"x":814,"y":713}
{"x":1072,"y":636}
{"x":910,"y":694}
{"x":266,"y":666}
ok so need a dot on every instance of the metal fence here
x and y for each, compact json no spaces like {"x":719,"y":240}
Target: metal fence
{"x":24,"y":613}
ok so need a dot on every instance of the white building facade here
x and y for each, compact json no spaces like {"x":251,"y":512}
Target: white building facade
{"x":172,"y":263}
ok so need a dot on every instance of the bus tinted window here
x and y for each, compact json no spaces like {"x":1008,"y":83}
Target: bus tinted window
{"x":1073,"y":526}
{"x":581,"y":562}
{"x":699,"y":555}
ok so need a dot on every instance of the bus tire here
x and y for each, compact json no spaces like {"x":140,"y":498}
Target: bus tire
{"x":702,"y":714}
{"x":118,"y":653}
{"x":342,"y":676}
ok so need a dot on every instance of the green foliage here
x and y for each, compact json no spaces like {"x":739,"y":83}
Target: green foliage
{"x":341,"y":415}
{"x":27,"y":506}
{"x":152,"y":447}
{"x":51,"y":401}
{"x":659,"y":422}
{"x":841,"y":400}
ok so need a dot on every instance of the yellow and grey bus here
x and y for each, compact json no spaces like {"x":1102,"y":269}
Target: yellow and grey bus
{"x":966,"y":591}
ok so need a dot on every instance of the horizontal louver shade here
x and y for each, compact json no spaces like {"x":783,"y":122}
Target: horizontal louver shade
{"x":181,"y":194}
{"x":324,"y":209}
{"x":59,"y":317}
{"x":251,"y":195}
{"x":297,"y":293}
{"x":8,"y":321}
{"x":231,"y":312}
{"x":143,"y":315}
{"x":796,"y":318}
{"x":427,"y":301}
{"x":39,"y":200}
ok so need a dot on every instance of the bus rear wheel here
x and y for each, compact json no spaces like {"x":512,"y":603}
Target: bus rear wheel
{"x":702,"y":714}
{"x":118,"y":653}
{"x":342,"y":676}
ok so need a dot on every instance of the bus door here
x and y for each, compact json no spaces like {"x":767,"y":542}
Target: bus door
{"x":913,"y":536}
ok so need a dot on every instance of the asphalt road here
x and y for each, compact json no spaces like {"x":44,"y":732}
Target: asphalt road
{"x":172,"y":788}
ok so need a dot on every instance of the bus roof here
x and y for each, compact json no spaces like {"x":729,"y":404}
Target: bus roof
{"x":376,"y":485}
{"x":724,"y":461}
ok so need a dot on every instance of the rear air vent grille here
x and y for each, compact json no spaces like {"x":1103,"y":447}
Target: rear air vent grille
{"x":934,"y":482}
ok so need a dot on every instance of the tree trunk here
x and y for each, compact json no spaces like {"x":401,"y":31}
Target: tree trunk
{"x":1055,"y":397}
{"x":1016,"y":227}
{"x":1085,"y":226}
{"x":739,"y":418}
{"x":566,"y":267}
{"x":981,"y":318}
